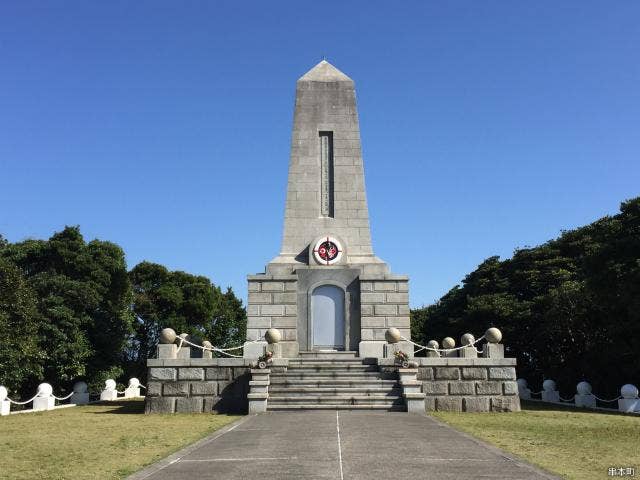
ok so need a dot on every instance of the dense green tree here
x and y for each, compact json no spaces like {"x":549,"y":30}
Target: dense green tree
{"x":20,"y":357}
{"x":569,"y":309}
{"x":187,"y":303}
{"x":83,"y":301}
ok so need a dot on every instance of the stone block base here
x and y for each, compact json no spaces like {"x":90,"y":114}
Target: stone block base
{"x":44,"y":403}
{"x":629,"y":405}
{"x":107,"y":395}
{"x":371,"y":349}
{"x":80,"y":398}
{"x":588,"y":401}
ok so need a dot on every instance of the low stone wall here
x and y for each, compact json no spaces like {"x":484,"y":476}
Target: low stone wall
{"x":197,"y":385}
{"x":467,"y":384}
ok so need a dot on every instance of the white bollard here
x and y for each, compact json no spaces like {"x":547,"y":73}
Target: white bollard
{"x":133,"y":390}
{"x":109,"y":392}
{"x":80,"y":393}
{"x":523,"y":391}
{"x":5,"y":405}
{"x":584,"y":397}
{"x":44,"y":399}
{"x":629,"y":402}
{"x":549,"y":392}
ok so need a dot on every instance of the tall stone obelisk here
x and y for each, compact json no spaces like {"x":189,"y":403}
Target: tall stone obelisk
{"x":326,"y":290}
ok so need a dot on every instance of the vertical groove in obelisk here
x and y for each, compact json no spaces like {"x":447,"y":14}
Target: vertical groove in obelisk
{"x":326,"y":169}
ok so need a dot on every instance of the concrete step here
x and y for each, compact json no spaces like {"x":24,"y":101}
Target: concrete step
{"x":329,"y":355}
{"x":333,"y":361}
{"x":331,"y":368}
{"x":331,"y":382}
{"x":294,"y":406}
{"x":331,"y":375}
{"x":336,"y":400}
{"x":392,"y":391}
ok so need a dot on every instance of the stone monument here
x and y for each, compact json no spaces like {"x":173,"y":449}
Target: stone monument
{"x":326,"y":290}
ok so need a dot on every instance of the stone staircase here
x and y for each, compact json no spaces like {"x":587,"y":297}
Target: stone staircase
{"x":334,"y":381}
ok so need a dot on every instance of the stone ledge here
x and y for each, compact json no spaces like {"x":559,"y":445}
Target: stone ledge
{"x":456,"y":362}
{"x":210,"y":362}
{"x":260,"y":277}
{"x":257,"y":396}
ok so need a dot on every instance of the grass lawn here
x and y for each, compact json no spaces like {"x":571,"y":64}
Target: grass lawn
{"x":572,"y":443}
{"x":99,"y":441}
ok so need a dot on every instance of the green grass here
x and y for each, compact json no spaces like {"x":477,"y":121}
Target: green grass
{"x":99,"y":441}
{"x":572,"y":443}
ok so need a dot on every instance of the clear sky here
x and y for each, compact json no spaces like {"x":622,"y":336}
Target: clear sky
{"x":165,"y":126}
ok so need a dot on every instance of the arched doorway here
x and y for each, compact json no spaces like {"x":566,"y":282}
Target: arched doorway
{"x":327,"y":317}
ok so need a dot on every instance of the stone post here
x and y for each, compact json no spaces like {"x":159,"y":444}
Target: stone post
{"x":133,"y":390}
{"x":80,"y":393}
{"x":523,"y":391}
{"x":549,"y":392}
{"x":470,"y":350}
{"x":448,"y":343}
{"x":493,"y":348}
{"x":184,"y":350}
{"x":207,"y":353}
{"x":629,"y":402}
{"x":259,"y":390}
{"x":167,"y":348}
{"x":430,"y":353}
{"x":44,"y":399}
{"x":5,"y":405}
{"x":412,"y":390}
{"x":109,"y":392}
{"x":584,"y":397}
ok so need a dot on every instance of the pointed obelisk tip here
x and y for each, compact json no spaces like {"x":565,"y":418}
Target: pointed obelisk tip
{"x":324,"y":72}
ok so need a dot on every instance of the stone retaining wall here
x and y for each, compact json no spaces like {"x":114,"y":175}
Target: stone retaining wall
{"x":197,"y":385}
{"x":467,"y":384}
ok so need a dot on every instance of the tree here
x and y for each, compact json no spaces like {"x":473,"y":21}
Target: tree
{"x":20,"y":358}
{"x":83,"y":300}
{"x":187,"y":303}
{"x":569,"y":309}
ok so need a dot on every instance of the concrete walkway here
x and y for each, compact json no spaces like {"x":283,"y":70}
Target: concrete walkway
{"x":339,"y":445}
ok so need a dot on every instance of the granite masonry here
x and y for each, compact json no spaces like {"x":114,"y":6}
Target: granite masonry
{"x":326,"y":290}
{"x":331,"y":315}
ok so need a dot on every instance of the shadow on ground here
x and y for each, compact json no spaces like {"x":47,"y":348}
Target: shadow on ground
{"x":122,"y":406}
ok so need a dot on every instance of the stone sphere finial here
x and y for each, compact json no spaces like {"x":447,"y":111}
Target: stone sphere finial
{"x":629,"y":391}
{"x":433,"y":344}
{"x":44,"y":390}
{"x":110,"y":384}
{"x":392,"y":335}
{"x":134,"y":382}
{"x":549,"y":385}
{"x":80,"y":387}
{"x":467,"y":339}
{"x":3,"y":393}
{"x":493,"y":335}
{"x":207,"y":344}
{"x":168,"y":335}
{"x":522,"y":383}
{"x":273,"y":335}
{"x":583,"y":388}
{"x":448,"y":342}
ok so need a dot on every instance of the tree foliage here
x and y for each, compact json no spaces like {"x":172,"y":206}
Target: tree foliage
{"x":20,"y":357}
{"x":569,"y":309}
{"x":83,"y":299}
{"x":187,"y":303}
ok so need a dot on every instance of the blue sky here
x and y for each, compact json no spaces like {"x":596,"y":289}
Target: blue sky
{"x":165,"y":126}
